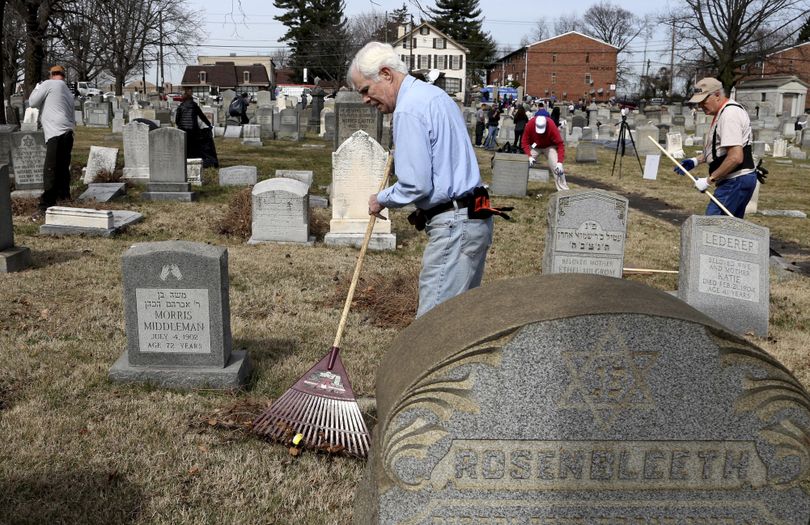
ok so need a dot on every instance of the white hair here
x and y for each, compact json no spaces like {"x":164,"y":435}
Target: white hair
{"x":372,"y":58}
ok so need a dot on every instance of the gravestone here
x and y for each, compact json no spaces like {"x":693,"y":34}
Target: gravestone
{"x":573,"y":138}
{"x":587,"y":133}
{"x":352,"y":115}
{"x":167,"y":167}
{"x":178,"y":320}
{"x":289,"y":125}
{"x":724,"y":271}
{"x":5,"y":144}
{"x":305,"y":176}
{"x":645,"y":146}
{"x":779,"y":148}
{"x":586,"y":233}
{"x":280,"y":210}
{"x":510,"y":174}
{"x":328,"y":123}
{"x":103,"y":191}
{"x":264,"y":99}
{"x":314,"y":122}
{"x":586,"y":153}
{"x":758,"y":149}
{"x":251,"y":135}
{"x":63,"y":220}
{"x":97,"y":115}
{"x":28,"y":159}
{"x":358,"y":166}
{"x":606,"y":403}
{"x":12,"y":258}
{"x":100,"y":160}
{"x":264,"y":119}
{"x":136,"y":151}
{"x":238,"y":176}
{"x":30,"y":120}
{"x":579,"y":121}
{"x":233,"y":131}
{"x":194,"y":168}
{"x":675,"y":145}
{"x":164,"y":116}
{"x":538,"y":175}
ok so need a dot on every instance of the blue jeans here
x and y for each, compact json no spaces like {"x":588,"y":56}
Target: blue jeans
{"x":734,"y":194}
{"x":454,"y":258}
{"x":491,"y":142}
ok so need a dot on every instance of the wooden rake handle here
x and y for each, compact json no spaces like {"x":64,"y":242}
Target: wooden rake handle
{"x":675,"y":161}
{"x":356,"y":277}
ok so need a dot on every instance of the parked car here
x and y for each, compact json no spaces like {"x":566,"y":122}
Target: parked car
{"x":177,"y":97}
{"x":86,"y":90}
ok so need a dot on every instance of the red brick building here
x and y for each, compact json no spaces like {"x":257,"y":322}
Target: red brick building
{"x":570,"y":66}
{"x":791,"y":61}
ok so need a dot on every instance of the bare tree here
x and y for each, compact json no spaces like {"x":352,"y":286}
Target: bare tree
{"x":612,"y":24}
{"x":281,"y":57}
{"x":729,"y":35}
{"x":36,"y":16}
{"x":567,"y":23}
{"x":79,"y":38}
{"x":364,"y":28}
{"x":539,"y":31}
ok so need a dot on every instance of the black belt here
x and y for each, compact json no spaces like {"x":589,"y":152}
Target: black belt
{"x":461,"y":202}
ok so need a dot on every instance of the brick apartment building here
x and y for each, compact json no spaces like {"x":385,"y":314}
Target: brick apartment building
{"x":570,"y":66}
{"x":793,"y":61}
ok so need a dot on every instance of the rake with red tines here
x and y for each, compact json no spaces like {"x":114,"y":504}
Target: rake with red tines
{"x":321,"y":405}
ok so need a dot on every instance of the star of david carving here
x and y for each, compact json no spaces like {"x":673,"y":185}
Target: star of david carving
{"x":608,"y":378}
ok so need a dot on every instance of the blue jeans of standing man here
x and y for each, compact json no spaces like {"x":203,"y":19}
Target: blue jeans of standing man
{"x":454,"y":258}
{"x":492,"y":132}
{"x":734,"y":194}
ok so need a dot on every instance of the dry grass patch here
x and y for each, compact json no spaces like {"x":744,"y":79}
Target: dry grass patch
{"x":389,"y":301}
{"x":238,"y":218}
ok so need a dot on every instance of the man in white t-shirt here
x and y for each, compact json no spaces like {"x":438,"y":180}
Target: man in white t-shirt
{"x":726,"y":149}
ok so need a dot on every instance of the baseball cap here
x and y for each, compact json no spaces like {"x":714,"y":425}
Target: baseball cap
{"x":704,"y":88}
{"x":57,"y":69}
{"x":540,"y":124}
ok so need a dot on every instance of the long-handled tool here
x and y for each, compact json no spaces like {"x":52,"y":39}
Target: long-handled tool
{"x":321,"y":405}
{"x":674,"y":160}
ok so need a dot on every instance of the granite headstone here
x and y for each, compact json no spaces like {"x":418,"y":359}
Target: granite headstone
{"x":28,"y":158}
{"x":510,"y":174}
{"x":238,"y":176}
{"x":167,"y":167}
{"x":280,"y":209}
{"x":12,"y":258}
{"x":352,"y":115}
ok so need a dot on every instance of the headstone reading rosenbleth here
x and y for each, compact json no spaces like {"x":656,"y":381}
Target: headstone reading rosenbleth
{"x":178,"y":319}
{"x":608,"y":402}
{"x":724,"y":271}
{"x":12,"y":258}
{"x":586,"y":233}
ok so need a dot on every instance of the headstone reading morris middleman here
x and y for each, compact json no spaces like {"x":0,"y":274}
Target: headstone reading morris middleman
{"x":586,"y":233}
{"x":724,"y":271}
{"x":607,"y":402}
{"x":178,"y":320}
{"x":12,"y":258}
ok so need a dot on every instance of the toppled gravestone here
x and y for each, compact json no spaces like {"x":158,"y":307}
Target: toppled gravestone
{"x":607,"y":402}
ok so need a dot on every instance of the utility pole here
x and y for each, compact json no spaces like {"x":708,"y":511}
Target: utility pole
{"x":385,"y":25}
{"x":160,"y":34}
{"x":672,"y":63}
{"x":410,"y":45}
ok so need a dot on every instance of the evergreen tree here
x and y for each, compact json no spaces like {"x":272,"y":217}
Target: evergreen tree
{"x":459,"y":19}
{"x":804,"y":32}
{"x":317,"y":37}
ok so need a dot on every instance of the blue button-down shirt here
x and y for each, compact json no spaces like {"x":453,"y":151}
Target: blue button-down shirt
{"x":433,"y":158}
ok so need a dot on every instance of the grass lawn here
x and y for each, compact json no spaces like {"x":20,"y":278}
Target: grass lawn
{"x":79,"y":449}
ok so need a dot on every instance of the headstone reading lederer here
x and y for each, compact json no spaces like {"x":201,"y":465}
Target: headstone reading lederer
{"x":724,"y":271}
{"x":178,"y":319}
{"x":609,"y":403}
{"x":586,"y":233}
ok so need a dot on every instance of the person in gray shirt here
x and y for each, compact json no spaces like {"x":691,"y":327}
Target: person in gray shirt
{"x":55,"y":103}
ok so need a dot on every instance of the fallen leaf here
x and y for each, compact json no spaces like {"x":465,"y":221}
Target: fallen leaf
{"x":295,"y":452}
{"x":193,"y":471}
{"x":212,"y":422}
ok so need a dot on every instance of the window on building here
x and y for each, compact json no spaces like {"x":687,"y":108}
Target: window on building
{"x":587,"y":58}
{"x":425,"y":30}
{"x":588,"y":79}
{"x":554,"y":58}
{"x":409,"y":43}
{"x":452,"y":85}
{"x":554,"y":78}
{"x":456,"y":61}
{"x":424,"y":61}
{"x":439,"y":43}
{"x":246,"y":77}
{"x":203,"y":77}
{"x":764,"y":97}
{"x":440,"y":61}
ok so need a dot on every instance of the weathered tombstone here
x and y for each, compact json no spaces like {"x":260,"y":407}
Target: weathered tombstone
{"x":251,"y":135}
{"x":675,"y":145}
{"x":178,"y":320}
{"x":136,"y":151}
{"x":100,"y":160}
{"x":510,"y":174}
{"x":103,"y":191}
{"x":357,"y":171}
{"x":586,"y":153}
{"x":779,"y":148}
{"x":264,"y":99}
{"x":62,"y":220}
{"x":329,"y":123}
{"x":264,"y":119}
{"x":164,"y":116}
{"x":238,"y":176}
{"x":314,"y":123}
{"x":538,"y":175}
{"x":5,"y":144}
{"x":12,"y":258}
{"x":579,"y":121}
{"x":97,"y":115}
{"x":607,"y":402}
{"x":289,"y":125}
{"x":232,"y":131}
{"x":352,"y":115}
{"x":28,"y":158}
{"x":758,"y":149}
{"x":305,"y":176}
{"x":280,"y":210}
{"x":194,"y":169}
{"x":167,"y":167}
{"x":587,"y":133}
{"x":30,"y":120}
{"x":644,"y":146}
{"x":586,"y":233}
{"x":724,"y":271}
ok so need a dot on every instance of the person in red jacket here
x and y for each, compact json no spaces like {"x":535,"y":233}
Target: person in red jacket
{"x":542,"y":136}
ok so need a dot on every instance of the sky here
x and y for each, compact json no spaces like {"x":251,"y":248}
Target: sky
{"x":256,"y":33}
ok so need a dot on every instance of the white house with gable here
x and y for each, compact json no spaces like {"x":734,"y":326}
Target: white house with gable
{"x":424,"y":47}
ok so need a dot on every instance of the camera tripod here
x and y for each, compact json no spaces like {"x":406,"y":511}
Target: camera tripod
{"x":624,"y":132}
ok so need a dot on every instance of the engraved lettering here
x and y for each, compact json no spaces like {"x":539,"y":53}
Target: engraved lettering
{"x":466,"y":463}
{"x":493,"y":464}
{"x":651,"y":466}
{"x":521,"y":464}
